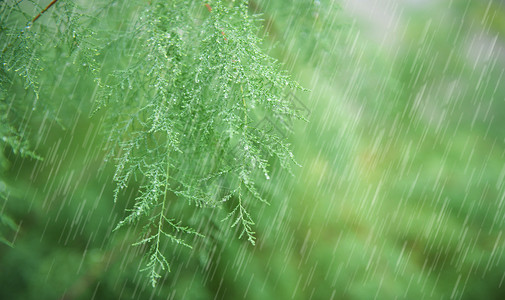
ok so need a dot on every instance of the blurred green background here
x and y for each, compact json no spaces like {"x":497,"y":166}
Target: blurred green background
{"x":400,"y":194}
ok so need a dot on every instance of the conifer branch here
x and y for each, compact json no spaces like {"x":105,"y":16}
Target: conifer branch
{"x":200,"y":88}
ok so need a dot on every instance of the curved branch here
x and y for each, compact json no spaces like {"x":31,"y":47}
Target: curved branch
{"x":44,"y":10}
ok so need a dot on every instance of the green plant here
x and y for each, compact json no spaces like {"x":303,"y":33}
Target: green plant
{"x":184,"y":87}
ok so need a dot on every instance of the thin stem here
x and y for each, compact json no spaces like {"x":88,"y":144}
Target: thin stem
{"x":245,"y":106}
{"x":44,"y":10}
{"x":160,"y":221}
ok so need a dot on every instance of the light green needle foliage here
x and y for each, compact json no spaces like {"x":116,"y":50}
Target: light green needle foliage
{"x":23,"y":47}
{"x":195,"y":109}
{"x":186,"y":100}
{"x":27,"y":50}
{"x":18,"y":61}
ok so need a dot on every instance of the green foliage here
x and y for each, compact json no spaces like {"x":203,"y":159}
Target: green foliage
{"x":184,"y":96}
{"x":18,"y":61}
{"x":183,"y":102}
{"x":27,"y":51}
{"x":401,"y":191}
